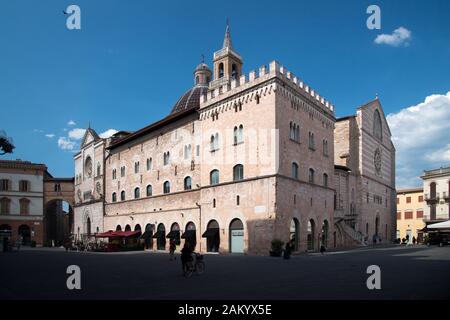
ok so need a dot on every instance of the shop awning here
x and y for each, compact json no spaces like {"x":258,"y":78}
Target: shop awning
{"x":173,"y":234}
{"x":159,"y":234}
{"x":211,"y":232}
{"x":439,"y":225}
{"x":188,"y":234}
{"x":117,"y":234}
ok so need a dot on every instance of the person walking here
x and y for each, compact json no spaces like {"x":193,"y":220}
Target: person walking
{"x":287,"y":251}
{"x":172,"y":247}
{"x":414,"y":240}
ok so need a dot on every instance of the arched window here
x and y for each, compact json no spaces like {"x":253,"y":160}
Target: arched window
{"x":88,"y":167}
{"x":215,"y":142}
{"x":149,"y":164}
{"x":118,"y":228}
{"x":234,"y":72}
{"x":149,"y":190}
{"x":197,"y":79}
{"x":325,"y":180}
{"x":24,"y":206}
{"x":137,"y":193}
{"x":99,"y":169}
{"x":187,"y":151}
{"x":377,"y":127}
{"x":127,"y":227}
{"x":166,"y":158}
{"x":122,"y":171}
{"x":166,"y":187}
{"x":325,"y":147}
{"x":294,"y":170}
{"x":214,"y":177}
{"x":311,"y":141}
{"x":114,"y":174}
{"x":136,"y":167}
{"x":238,"y":172}
{"x":122,"y":195}
{"x":239,"y":134}
{"x":311,"y":175}
{"x":187,"y":183}
{"x":220,"y":70}
{"x":114,"y":197}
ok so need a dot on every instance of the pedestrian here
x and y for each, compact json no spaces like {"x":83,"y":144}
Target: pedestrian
{"x":172,"y":247}
{"x":322,"y":249}
{"x":414,"y":240}
{"x":374,"y":239}
{"x":287,"y":251}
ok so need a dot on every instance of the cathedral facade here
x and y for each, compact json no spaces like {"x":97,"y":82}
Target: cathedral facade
{"x":240,"y":161}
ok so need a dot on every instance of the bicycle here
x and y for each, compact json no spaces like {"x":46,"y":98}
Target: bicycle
{"x":198,"y":266}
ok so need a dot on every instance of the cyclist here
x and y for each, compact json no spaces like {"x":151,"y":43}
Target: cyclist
{"x":186,"y":255}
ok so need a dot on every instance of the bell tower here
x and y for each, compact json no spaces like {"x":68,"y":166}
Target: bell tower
{"x":227,"y":62}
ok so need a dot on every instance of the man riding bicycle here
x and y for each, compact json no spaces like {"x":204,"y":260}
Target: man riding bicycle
{"x":186,"y":255}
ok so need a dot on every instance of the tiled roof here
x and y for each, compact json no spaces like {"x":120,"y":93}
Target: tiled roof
{"x":190,"y":99}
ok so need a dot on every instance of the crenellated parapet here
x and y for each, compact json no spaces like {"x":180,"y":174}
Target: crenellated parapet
{"x":262,"y":80}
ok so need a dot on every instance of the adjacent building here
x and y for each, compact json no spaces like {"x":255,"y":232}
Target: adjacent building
{"x":410,"y":214}
{"x":436,"y":189}
{"x":30,"y":200}
{"x":242,"y":160}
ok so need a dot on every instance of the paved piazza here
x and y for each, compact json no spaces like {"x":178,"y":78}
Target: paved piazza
{"x":406,"y":273}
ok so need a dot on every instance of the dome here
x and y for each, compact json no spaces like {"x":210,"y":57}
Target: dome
{"x":190,"y":99}
{"x":202,"y":66}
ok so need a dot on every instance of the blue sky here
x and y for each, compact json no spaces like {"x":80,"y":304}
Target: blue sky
{"x":131,"y":61}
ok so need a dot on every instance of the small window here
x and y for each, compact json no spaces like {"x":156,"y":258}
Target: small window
{"x":311,"y":175}
{"x":238,"y":172}
{"x":137,"y":193}
{"x":5,"y":206}
{"x":166,"y":187}
{"x":187,"y":183}
{"x":149,"y":164}
{"x":122,"y":171}
{"x":311,"y":141}
{"x":221,"y":70}
{"x":23,"y":186}
{"x":114,"y":197}
{"x":238,"y":200}
{"x":166,"y":158}
{"x":4,"y":185}
{"x":325,"y":180}
{"x":408,"y":199}
{"x":214,"y":203}
{"x":149,"y":190}
{"x":24,"y":206}
{"x":99,"y":169}
{"x":187,"y":152}
{"x":122,"y":196}
{"x":214,"y":177}
{"x":294,"y":170}
{"x":136,"y":167}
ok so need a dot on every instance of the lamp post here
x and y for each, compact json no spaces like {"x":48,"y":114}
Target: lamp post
{"x":200,"y":222}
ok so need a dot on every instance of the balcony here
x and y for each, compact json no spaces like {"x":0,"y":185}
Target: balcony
{"x":431,"y":199}
{"x":446,"y":196}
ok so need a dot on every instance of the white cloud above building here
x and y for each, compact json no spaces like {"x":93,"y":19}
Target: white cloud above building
{"x":108,"y":133}
{"x":421,"y":135}
{"x":399,"y":37}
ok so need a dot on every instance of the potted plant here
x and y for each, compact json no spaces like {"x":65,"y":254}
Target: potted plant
{"x":277,"y":248}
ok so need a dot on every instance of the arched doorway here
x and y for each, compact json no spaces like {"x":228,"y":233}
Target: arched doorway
{"x":88,"y":226}
{"x":127,"y":228}
{"x":148,"y":236}
{"x":189,"y":235}
{"x":25,"y":232}
{"x":294,"y":233}
{"x":236,"y":236}
{"x":118,"y":228}
{"x":174,"y":233}
{"x":137,"y":227}
{"x":324,"y":239}
{"x":377,"y":225}
{"x":212,"y":235}
{"x":58,"y":222}
{"x":311,"y":234}
{"x":160,"y":236}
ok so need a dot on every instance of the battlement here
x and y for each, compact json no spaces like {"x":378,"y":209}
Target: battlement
{"x":255,"y":78}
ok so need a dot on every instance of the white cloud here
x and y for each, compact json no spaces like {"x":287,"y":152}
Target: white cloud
{"x":50,"y":135}
{"x":38,"y":130}
{"x":421,"y":135}
{"x":71,"y":123}
{"x":77,"y":133}
{"x":65,"y":143}
{"x":108,"y":133}
{"x":400,"y":36}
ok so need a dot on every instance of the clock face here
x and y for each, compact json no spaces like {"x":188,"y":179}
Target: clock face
{"x":377,"y":160}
